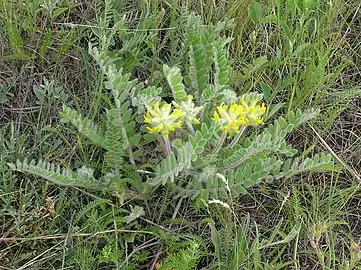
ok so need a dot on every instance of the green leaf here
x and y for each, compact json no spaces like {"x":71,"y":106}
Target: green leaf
{"x":301,"y":48}
{"x":55,"y":174}
{"x":274,"y":110}
{"x":222,"y":68}
{"x":85,"y":126}
{"x":170,"y":167}
{"x":255,"y":12}
{"x":271,"y":18}
{"x":175,"y":81}
{"x":216,"y":240}
{"x":40,"y":93}
{"x":198,"y":69}
{"x":241,"y":247}
{"x":137,"y":211}
{"x":58,"y":11}
{"x":286,"y":29}
{"x":253,"y":67}
{"x":266,"y":91}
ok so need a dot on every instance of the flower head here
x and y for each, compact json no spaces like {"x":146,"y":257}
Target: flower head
{"x":253,"y":110}
{"x":189,"y":109}
{"x":163,"y":119}
{"x":230,"y":117}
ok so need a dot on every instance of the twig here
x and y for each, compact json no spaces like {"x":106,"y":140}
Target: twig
{"x":176,"y":210}
{"x":73,"y":25}
{"x":348,"y":168}
{"x":32,"y":261}
{"x":143,"y":246}
{"x":66,"y":235}
{"x":157,"y":225}
{"x":156,"y":258}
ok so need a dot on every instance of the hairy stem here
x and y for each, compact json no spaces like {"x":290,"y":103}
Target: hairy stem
{"x":236,"y":139}
{"x":190,"y":127}
{"x":162,"y":144}
{"x":221,"y":141}
{"x":167,"y":145}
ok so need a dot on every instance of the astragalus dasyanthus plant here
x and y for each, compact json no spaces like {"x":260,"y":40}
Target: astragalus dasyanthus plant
{"x":194,"y":134}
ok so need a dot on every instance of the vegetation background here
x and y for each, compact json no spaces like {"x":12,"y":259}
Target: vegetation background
{"x":299,"y":53}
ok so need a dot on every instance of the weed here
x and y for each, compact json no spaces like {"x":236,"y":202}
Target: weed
{"x":113,"y":211}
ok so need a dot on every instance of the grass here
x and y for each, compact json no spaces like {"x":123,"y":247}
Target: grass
{"x":299,"y":53}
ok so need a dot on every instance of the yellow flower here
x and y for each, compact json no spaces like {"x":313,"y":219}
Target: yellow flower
{"x":162,"y":119}
{"x":253,"y":110}
{"x":189,"y":109}
{"x":230,"y":117}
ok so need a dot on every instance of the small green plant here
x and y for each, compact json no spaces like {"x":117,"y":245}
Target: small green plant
{"x":5,"y":93}
{"x":235,"y":249}
{"x":184,"y":255}
{"x":47,"y":92}
{"x":194,"y":125}
{"x":29,"y":31}
{"x":205,"y":140}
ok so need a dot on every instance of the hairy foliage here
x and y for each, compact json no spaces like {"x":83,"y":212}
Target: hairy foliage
{"x":204,"y":162}
{"x":265,"y":157}
{"x":54,"y":173}
{"x":170,"y":167}
{"x":85,"y":126}
{"x":288,"y":49}
{"x":175,"y":81}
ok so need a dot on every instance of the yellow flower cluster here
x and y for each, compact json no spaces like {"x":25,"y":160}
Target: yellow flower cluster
{"x":253,"y":111}
{"x":231,"y":118}
{"x":163,"y":119}
{"x":190,"y":110}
